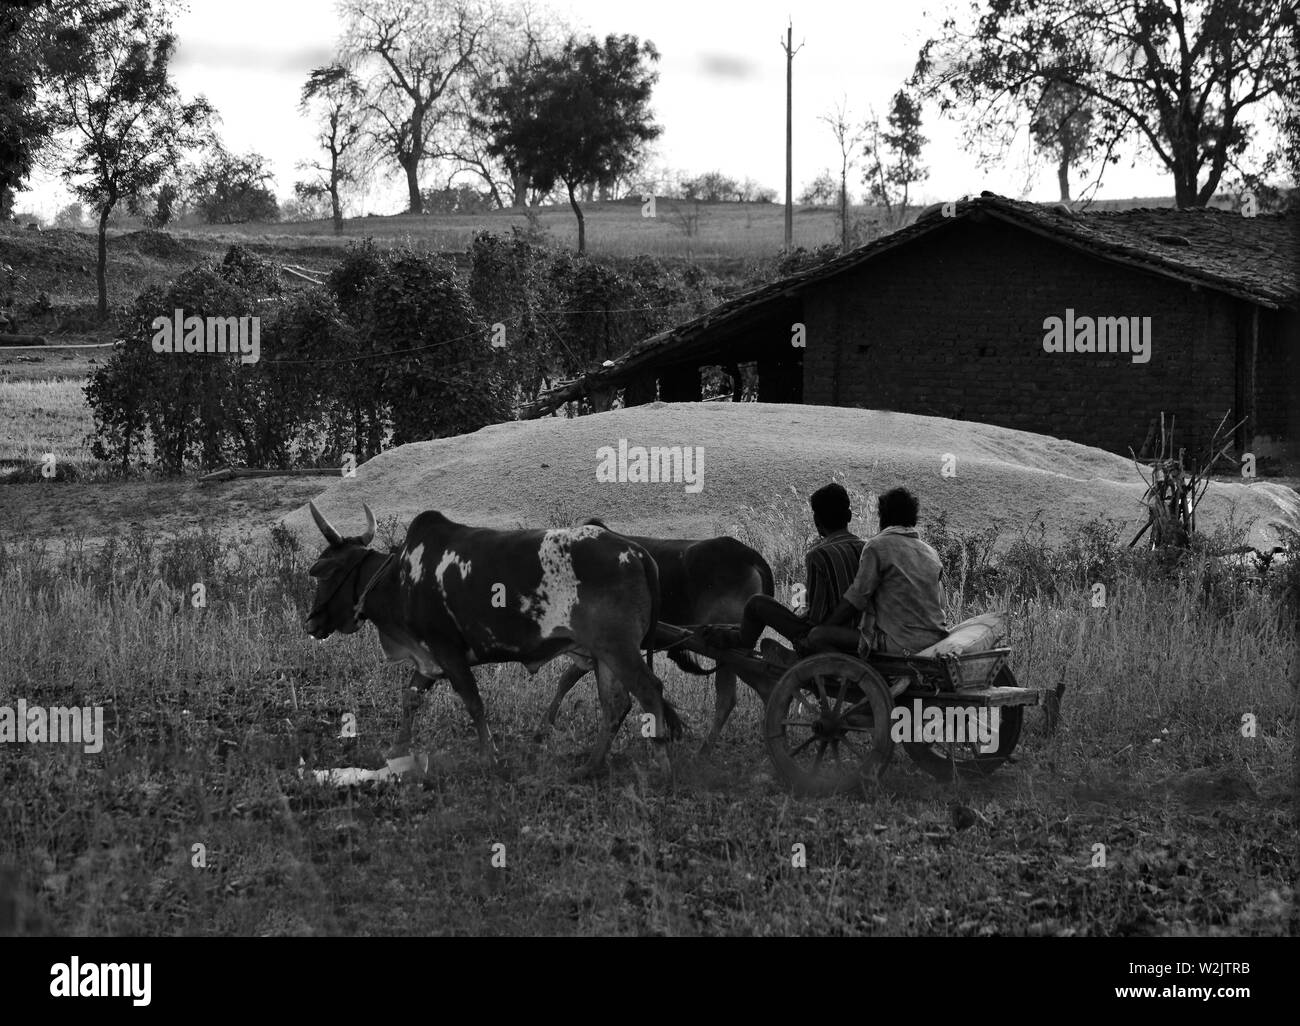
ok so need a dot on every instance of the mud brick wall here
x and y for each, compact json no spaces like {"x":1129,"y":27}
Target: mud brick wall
{"x":952,"y":326}
{"x":1277,"y":376}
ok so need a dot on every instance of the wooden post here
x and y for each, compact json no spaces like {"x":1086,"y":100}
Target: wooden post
{"x":1252,"y":422}
{"x":790,"y":51}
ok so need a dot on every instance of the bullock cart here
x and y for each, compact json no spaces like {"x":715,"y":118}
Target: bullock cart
{"x":830,"y":719}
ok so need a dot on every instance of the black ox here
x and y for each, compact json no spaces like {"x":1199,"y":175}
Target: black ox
{"x":705,"y":581}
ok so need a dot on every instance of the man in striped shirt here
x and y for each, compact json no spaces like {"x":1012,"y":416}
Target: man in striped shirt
{"x":831,"y":564}
{"x":897,"y":590}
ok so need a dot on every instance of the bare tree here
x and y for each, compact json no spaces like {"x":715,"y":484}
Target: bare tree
{"x":412,"y":58}
{"x":337,"y":96}
{"x":848,"y":138}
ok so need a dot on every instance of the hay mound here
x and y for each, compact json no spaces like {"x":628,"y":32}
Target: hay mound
{"x":543,"y":473}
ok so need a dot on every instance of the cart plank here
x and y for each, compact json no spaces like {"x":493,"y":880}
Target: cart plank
{"x":980,"y":696}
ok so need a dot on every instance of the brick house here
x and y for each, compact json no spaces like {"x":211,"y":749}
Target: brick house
{"x":1081,"y":326}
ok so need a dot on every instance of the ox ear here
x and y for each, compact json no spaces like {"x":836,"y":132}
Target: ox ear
{"x":331,"y":535}
{"x":369,"y":536}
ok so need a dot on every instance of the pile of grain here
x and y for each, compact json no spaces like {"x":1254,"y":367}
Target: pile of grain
{"x":543,"y":473}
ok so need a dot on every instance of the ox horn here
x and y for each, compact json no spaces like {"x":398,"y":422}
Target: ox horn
{"x":369,"y":536}
{"x":331,"y":535}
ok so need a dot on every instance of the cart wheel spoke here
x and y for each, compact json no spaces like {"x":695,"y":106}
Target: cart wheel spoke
{"x":839,"y":688}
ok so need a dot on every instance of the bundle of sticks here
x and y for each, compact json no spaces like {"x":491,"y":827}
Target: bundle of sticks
{"x":1174,"y":487}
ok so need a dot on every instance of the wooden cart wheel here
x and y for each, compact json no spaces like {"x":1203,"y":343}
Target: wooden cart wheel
{"x":939,"y":758}
{"x":827,"y":725}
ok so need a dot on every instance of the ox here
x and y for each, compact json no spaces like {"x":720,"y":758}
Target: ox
{"x":453,"y":597}
{"x":700,"y":582}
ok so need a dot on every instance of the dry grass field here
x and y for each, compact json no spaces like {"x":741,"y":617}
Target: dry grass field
{"x":216,"y":715}
{"x":210,"y":711}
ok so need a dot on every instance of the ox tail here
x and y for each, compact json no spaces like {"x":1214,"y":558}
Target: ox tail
{"x":651,"y":569}
{"x":686,"y":662}
{"x":672,"y":721}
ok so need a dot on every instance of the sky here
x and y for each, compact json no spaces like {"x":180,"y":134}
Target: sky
{"x":720,"y":97}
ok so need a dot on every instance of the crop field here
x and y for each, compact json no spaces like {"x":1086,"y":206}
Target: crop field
{"x":1148,"y":809}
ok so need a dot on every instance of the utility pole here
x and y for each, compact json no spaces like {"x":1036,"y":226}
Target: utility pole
{"x":790,"y":51}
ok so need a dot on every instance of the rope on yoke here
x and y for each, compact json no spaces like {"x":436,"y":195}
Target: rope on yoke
{"x":357,"y":613}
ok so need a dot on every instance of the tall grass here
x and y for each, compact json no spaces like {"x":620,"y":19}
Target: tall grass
{"x":45,"y":416}
{"x":211,"y":708}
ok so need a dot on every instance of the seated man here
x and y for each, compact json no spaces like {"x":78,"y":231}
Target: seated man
{"x":897,"y":590}
{"x":829,"y":564}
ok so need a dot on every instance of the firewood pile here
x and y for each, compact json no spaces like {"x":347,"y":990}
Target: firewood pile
{"x":1176,"y":486}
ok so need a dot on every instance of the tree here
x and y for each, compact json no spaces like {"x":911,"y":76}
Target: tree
{"x":414,"y":56}
{"x":848,"y":139}
{"x":1062,"y":123}
{"x":71,"y":216}
{"x":231,"y":189}
{"x":307,"y":203}
{"x":129,"y":126}
{"x":521,"y":34}
{"x":579,"y":118}
{"x":24,"y":125}
{"x":1180,"y":76}
{"x":458,"y":199}
{"x":894,"y":157}
{"x":336,"y":95}
{"x":166,"y":200}
{"x":822,"y":191}
{"x":711,"y":187}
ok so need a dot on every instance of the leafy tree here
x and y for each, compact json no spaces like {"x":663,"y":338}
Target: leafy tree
{"x":579,"y":118}
{"x":822,"y":191}
{"x":1062,"y":124}
{"x":414,"y":301}
{"x":521,"y":34}
{"x":71,"y":216}
{"x":894,"y":157}
{"x":711,"y":187}
{"x":25,"y":126}
{"x":128,"y":125}
{"x":1179,"y":76}
{"x":413,"y":58}
{"x":232,"y":189}
{"x":306,"y":204}
{"x":458,"y":199}
{"x":336,"y":95}
{"x":166,"y":204}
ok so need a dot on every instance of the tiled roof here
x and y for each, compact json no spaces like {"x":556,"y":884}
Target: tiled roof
{"x":1252,"y":258}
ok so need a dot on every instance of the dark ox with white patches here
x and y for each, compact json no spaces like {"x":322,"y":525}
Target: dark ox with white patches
{"x":453,"y":597}
{"x":703,"y":581}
